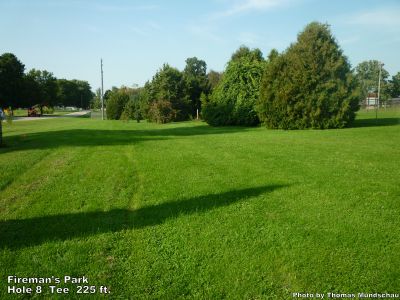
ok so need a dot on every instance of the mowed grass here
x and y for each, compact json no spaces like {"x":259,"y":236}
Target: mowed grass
{"x":189,"y":211}
{"x":24,"y":112}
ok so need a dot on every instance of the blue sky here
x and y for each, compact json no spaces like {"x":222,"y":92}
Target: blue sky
{"x":134,"y":38}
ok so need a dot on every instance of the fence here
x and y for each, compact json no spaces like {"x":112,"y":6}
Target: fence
{"x":385,"y":104}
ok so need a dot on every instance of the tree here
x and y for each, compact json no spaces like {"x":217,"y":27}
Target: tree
{"x":395,"y":86}
{"x":66,"y":92}
{"x":45,"y":91}
{"x":214,"y":78}
{"x":106,"y":95}
{"x":232,"y":101}
{"x":367,"y":73}
{"x":245,"y":52}
{"x":11,"y":80}
{"x":74,"y":93}
{"x":196,"y":81}
{"x":115,"y":104}
{"x":310,"y":85}
{"x":132,"y":109}
{"x":168,"y":85}
{"x":31,"y":91}
{"x":85,"y":94}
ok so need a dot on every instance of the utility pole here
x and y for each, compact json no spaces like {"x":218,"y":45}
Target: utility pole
{"x":379,"y":90}
{"x":102,"y":90}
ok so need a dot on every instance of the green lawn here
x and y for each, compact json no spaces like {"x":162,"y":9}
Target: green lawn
{"x":20,"y":112}
{"x":24,"y":112}
{"x":185,"y":210}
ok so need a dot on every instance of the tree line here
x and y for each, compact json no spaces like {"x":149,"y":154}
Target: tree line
{"x":40,"y":88}
{"x":171,"y":95}
{"x":309,"y":85}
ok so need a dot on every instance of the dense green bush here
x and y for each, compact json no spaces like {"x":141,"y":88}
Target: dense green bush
{"x":115,"y":104}
{"x":161,"y":111}
{"x":168,"y":85}
{"x":233,"y":100}
{"x":132,"y":109}
{"x":217,"y":114}
{"x":48,"y":110}
{"x":310,"y":85}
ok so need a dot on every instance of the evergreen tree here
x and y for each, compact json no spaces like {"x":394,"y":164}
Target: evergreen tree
{"x":116,"y":103}
{"x":310,"y":85}
{"x":168,"y":85}
{"x":132,"y":109}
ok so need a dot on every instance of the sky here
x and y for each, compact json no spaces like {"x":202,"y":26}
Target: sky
{"x":135,"y":38}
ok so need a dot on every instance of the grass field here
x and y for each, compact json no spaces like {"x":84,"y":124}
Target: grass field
{"x":189,"y":211}
{"x":24,"y":112}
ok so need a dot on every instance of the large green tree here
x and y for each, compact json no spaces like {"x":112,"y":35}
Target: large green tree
{"x":11,"y":80}
{"x":45,"y":88}
{"x":11,"y":83}
{"x":233,"y":99}
{"x":116,"y":103}
{"x":310,"y":85}
{"x":85,"y":93}
{"x":65,"y":92}
{"x":73,"y":93}
{"x":168,"y":85}
{"x":196,"y":81}
{"x":367,"y":73}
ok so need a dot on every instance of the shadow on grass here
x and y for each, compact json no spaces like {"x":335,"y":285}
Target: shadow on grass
{"x":97,"y":137}
{"x":376,"y":122}
{"x":21,"y":233}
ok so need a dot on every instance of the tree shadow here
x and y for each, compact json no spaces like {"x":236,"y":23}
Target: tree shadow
{"x":98,"y":137}
{"x":15,"y":234}
{"x":376,"y":122}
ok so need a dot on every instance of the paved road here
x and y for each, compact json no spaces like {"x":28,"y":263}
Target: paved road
{"x":74,"y":114}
